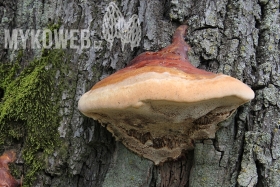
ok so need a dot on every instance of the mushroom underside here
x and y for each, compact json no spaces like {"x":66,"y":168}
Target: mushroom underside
{"x":162,"y":130}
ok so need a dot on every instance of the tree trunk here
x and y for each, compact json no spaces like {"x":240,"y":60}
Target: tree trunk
{"x":57,"y":146}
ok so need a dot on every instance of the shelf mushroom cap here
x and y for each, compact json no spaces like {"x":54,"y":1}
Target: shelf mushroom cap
{"x":160,"y":103}
{"x":6,"y":179}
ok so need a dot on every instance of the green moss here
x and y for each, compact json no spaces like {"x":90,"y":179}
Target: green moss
{"x":30,"y":107}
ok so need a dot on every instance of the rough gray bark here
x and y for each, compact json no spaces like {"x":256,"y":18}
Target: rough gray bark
{"x":235,"y":37}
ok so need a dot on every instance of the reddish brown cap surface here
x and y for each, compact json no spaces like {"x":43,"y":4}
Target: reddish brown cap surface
{"x":160,"y":103}
{"x":6,"y":179}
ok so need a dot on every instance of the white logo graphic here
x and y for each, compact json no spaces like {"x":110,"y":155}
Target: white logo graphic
{"x":115,"y":26}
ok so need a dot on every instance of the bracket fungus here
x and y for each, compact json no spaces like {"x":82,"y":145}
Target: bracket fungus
{"x":160,"y":103}
{"x":6,"y":179}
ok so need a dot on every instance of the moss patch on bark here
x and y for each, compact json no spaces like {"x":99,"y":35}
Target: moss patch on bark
{"x":30,"y":108}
